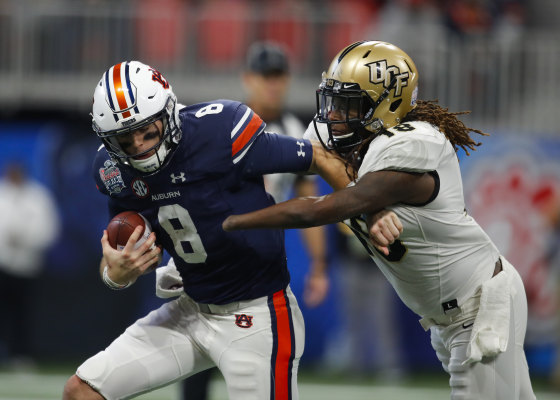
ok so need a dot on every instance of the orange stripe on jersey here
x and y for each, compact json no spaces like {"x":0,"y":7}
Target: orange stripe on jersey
{"x":245,"y":136}
{"x":283,"y":365}
{"x":119,"y":92}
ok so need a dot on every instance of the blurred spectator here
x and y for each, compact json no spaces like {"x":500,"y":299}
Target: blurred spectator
{"x":417,"y":26}
{"x":266,"y":80}
{"x":402,"y":21}
{"x":509,"y":25}
{"x":29,"y":224}
{"x":469,"y":17}
{"x":160,"y":32}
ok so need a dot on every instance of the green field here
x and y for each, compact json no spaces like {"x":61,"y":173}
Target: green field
{"x":48,"y":386}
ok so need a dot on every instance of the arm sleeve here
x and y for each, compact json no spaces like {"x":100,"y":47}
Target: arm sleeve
{"x":273,"y":153}
{"x":113,"y":208}
{"x":247,"y":126}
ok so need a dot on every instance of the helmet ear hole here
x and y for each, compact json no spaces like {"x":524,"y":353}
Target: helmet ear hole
{"x":395,"y":105}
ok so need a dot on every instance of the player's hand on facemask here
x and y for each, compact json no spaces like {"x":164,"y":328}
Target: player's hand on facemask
{"x":128,"y":264}
{"x":384,"y":228}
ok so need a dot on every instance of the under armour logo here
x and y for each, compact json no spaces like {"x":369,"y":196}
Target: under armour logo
{"x":243,"y":320}
{"x":300,"y":152}
{"x":175,"y":178}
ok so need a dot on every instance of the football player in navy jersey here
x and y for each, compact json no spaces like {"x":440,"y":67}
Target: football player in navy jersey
{"x":266,"y":80}
{"x":186,"y":168}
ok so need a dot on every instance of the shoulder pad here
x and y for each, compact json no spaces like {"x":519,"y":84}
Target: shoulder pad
{"x":412,"y":146}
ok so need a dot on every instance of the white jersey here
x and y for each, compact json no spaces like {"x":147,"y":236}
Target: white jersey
{"x":443,"y":255}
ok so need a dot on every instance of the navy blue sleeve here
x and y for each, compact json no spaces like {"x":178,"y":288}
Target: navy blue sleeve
{"x":106,"y":176}
{"x":113,"y":208}
{"x":273,"y":153}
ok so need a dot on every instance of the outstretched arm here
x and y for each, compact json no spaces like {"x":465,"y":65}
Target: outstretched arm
{"x":329,"y":166}
{"x":374,"y":191}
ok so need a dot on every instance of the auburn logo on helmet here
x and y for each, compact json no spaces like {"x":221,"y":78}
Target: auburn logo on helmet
{"x":158,"y":77}
{"x":380,"y":72}
{"x":243,"y":320}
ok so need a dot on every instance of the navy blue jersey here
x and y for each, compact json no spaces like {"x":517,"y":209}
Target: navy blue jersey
{"x":215,"y":171}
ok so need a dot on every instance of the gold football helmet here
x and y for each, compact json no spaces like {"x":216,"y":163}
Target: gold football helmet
{"x":369,"y":85}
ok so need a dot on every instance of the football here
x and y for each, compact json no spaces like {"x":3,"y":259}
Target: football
{"x":121,"y":227}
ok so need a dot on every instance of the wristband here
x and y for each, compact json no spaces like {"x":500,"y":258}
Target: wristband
{"x":110,"y":283}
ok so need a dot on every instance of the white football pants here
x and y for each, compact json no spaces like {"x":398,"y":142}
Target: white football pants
{"x":256,"y":344}
{"x":503,"y":377}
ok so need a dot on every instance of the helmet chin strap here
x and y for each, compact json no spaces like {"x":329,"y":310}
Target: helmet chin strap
{"x":153,"y":162}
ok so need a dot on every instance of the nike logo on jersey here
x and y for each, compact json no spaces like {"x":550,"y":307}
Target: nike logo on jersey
{"x":465,"y":326}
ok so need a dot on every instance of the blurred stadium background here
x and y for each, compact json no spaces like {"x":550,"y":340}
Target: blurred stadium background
{"x":498,"y":58}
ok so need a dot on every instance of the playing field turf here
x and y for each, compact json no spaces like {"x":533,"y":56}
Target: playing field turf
{"x":48,"y":386}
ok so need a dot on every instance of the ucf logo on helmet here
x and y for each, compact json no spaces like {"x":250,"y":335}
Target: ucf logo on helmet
{"x":379,"y":72}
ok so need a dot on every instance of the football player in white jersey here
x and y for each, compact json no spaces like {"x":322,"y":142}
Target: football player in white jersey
{"x":400,"y":154}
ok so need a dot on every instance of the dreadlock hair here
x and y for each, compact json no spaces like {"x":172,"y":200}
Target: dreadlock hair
{"x":429,"y":111}
{"x":447,"y":122}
